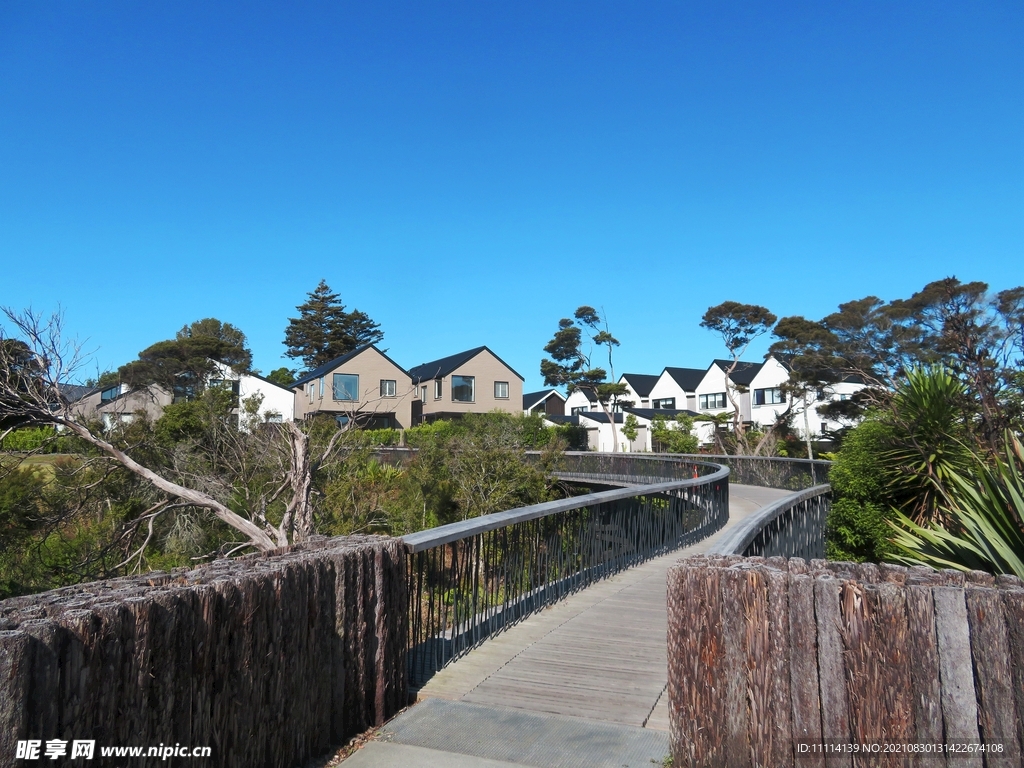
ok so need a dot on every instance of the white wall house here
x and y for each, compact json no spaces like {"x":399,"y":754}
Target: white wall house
{"x":768,"y":401}
{"x":638,"y":387}
{"x":676,"y":388}
{"x":580,"y":402}
{"x":278,"y":403}
{"x":599,"y":432}
{"x":713,"y":391}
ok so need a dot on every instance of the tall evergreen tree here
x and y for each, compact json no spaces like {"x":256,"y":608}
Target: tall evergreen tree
{"x":324,"y":330}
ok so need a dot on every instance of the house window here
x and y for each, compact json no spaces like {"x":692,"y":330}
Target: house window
{"x":312,"y":389}
{"x":463,"y":389}
{"x":772,"y":396}
{"x":346,"y":386}
{"x":388,"y":387}
{"x":437,"y":389}
{"x":578,"y":411}
{"x":664,"y":402}
{"x":501,"y":390}
{"x":322,"y":387}
{"x":110,"y":393}
{"x":423,"y":394}
{"x":710,"y":402}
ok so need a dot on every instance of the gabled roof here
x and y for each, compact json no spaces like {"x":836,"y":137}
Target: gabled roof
{"x":744,"y":373}
{"x":533,"y":399}
{"x":438,"y":369}
{"x":75,"y":392}
{"x":686,"y":378}
{"x":326,"y":368}
{"x":642,"y":383}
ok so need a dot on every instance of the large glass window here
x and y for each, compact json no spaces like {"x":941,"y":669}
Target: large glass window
{"x":346,"y":386}
{"x":110,"y":393}
{"x":501,"y":390}
{"x":388,"y":387}
{"x":463,"y":389}
{"x":437,"y":389}
{"x":664,"y":402}
{"x":772,"y":396}
{"x":710,"y":402}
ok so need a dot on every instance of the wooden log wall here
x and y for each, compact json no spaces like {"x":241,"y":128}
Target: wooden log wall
{"x":769,"y":655}
{"x":269,"y":659}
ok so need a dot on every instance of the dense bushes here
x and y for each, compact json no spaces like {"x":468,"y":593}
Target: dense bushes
{"x":913,"y":483}
{"x":66,"y":519}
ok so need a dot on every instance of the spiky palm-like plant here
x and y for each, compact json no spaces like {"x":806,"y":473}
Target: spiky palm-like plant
{"x":928,"y":443}
{"x":986,"y":513}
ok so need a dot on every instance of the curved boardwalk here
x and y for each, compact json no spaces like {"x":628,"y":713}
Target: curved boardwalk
{"x":580,"y":683}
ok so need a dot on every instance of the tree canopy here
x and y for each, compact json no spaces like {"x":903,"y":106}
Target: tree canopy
{"x":978,"y":336}
{"x":570,"y":362}
{"x":185,"y":360}
{"x":324,"y":331}
{"x":737,"y":324}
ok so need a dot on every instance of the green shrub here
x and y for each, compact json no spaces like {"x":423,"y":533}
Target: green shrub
{"x":857,"y":524}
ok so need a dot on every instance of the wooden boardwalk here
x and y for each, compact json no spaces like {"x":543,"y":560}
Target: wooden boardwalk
{"x":600,"y":654}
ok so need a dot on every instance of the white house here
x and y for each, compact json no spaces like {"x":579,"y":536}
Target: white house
{"x":703,"y":430}
{"x":277,"y":403}
{"x":676,"y":389}
{"x":580,"y":401}
{"x":716,"y":390}
{"x":599,"y":432}
{"x":768,"y":400}
{"x":638,"y":387}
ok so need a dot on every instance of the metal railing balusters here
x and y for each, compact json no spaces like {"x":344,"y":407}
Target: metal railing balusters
{"x":479,"y":576}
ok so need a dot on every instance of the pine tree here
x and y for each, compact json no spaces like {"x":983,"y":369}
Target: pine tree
{"x":324,"y":330}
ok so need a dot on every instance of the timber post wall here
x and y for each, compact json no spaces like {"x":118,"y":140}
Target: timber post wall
{"x":269,"y":659}
{"x":770,"y":659}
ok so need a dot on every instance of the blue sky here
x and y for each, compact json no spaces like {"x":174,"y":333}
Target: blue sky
{"x":468,"y":173}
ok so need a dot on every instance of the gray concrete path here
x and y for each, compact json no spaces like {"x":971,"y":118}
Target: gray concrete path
{"x":596,"y":660}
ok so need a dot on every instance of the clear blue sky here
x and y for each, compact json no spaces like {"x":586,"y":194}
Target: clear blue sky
{"x":468,"y":173}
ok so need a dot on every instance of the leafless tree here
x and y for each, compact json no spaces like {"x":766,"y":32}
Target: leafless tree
{"x":270,"y":465}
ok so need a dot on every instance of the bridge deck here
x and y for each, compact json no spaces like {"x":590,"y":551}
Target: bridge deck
{"x":598,"y":656}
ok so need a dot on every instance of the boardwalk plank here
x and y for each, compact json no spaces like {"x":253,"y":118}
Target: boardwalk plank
{"x":599,"y":654}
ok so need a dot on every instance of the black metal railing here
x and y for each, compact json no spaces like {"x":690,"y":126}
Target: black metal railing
{"x":641,"y":468}
{"x":623,"y":468}
{"x":793,"y":526}
{"x":470,"y":579}
{"x":768,"y":471}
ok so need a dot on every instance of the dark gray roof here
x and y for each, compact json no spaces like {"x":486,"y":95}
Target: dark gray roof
{"x":744,"y":373}
{"x":642,"y":383}
{"x":437,"y":369}
{"x":326,"y":368}
{"x":601,"y":418}
{"x":74,"y":392}
{"x":587,"y":392}
{"x":668,"y":413}
{"x":686,"y":378}
{"x":558,"y":418}
{"x":534,"y":399}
